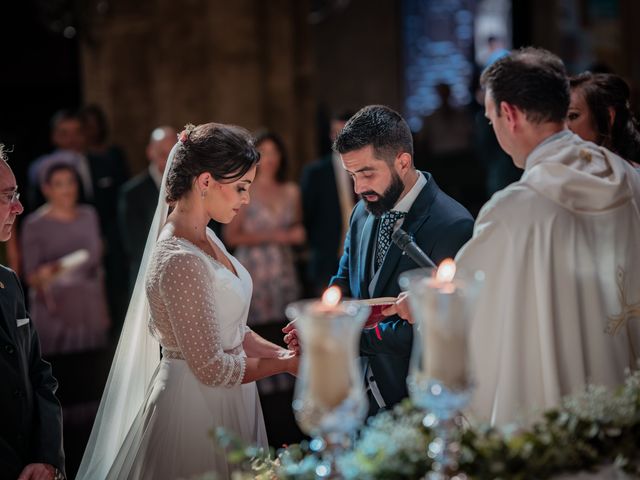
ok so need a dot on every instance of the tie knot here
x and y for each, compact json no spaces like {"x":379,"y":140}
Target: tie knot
{"x":393,"y":215}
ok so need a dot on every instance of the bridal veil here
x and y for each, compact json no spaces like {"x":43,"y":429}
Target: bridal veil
{"x":136,"y":360}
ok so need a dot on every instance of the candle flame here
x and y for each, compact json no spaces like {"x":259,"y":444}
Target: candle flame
{"x":331,"y":297}
{"x":446,"y":270}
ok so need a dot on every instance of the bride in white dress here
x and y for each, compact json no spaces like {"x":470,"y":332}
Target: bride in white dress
{"x":197,"y":300}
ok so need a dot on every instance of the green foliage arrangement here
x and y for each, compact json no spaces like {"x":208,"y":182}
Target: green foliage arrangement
{"x":597,"y":427}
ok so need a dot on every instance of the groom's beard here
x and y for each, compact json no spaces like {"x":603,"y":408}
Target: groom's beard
{"x":387,"y":200}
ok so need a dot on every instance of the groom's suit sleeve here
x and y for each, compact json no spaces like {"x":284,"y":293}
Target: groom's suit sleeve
{"x":395,"y":336}
{"x":342,"y":278}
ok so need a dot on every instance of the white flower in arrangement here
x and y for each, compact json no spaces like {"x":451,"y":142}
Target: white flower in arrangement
{"x":601,"y":404}
{"x":389,"y":442}
{"x":596,"y":427}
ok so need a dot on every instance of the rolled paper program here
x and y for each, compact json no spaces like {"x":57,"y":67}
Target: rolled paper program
{"x":73,"y":259}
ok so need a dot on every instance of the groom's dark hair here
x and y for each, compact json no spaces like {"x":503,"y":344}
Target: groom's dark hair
{"x":379,"y":126}
{"x":226,"y":152}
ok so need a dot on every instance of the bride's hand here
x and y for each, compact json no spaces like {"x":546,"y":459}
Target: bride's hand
{"x":293,"y":361}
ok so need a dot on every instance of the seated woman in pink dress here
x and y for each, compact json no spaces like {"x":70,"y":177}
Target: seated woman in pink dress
{"x":67,"y":298}
{"x":265,"y":231}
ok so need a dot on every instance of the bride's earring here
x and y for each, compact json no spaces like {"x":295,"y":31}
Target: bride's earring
{"x":203,"y":194}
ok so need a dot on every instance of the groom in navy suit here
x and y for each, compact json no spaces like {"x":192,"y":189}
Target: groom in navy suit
{"x":376,"y":148}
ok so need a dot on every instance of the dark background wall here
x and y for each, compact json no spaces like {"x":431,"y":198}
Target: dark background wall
{"x":283,"y":64}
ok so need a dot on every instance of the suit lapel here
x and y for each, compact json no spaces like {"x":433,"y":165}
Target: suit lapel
{"x":365,"y":247}
{"x":417,"y":215}
{"x":6,"y":312}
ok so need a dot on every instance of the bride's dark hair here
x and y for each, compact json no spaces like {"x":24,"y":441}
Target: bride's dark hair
{"x":226,"y":152}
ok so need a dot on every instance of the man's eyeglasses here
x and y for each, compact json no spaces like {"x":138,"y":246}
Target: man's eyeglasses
{"x":10,"y":197}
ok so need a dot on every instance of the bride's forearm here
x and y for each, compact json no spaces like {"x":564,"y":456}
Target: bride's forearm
{"x":257,"y":347}
{"x":257,"y":368}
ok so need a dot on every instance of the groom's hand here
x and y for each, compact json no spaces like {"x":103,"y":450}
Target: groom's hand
{"x":38,"y":471}
{"x":291,"y":337}
{"x":400,"y":308}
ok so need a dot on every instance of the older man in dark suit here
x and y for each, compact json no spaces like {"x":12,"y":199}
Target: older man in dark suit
{"x":377,"y":151}
{"x":30,"y":415}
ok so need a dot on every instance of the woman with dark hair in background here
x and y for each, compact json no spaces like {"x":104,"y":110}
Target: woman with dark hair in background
{"x":600,"y":113}
{"x":63,"y":267}
{"x":107,"y":170}
{"x":158,"y":425}
{"x":265,"y":231}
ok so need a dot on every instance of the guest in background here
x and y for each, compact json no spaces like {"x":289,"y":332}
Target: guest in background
{"x":68,"y":304}
{"x":31,"y":419}
{"x":600,"y":112}
{"x":96,"y":132}
{"x":101,"y":177}
{"x":443,"y":146}
{"x":139,"y":197}
{"x":108,"y":170}
{"x":327,"y":201}
{"x":67,"y":135}
{"x":264,"y":232}
{"x":495,"y":50}
{"x":500,"y":171}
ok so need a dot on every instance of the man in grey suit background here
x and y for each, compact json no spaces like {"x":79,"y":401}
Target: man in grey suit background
{"x":31,"y":417}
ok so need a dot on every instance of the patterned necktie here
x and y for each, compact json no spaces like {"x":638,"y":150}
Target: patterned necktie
{"x":387,"y":224}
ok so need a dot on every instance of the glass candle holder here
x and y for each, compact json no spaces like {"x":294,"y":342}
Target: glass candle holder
{"x":329,"y":399}
{"x":440,"y":379}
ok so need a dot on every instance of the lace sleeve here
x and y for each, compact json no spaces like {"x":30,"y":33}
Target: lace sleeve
{"x":185,"y":286}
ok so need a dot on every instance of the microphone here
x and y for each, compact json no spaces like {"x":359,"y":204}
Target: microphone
{"x":405,"y":242}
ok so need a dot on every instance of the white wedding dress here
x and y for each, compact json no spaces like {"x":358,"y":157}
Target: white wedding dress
{"x":198,"y":314}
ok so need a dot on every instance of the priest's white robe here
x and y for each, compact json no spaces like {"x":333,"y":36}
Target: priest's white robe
{"x":560,"y":307}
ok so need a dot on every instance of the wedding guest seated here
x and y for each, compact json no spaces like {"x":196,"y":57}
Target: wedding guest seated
{"x":600,"y":112}
{"x":264,"y":232}
{"x":67,"y":297}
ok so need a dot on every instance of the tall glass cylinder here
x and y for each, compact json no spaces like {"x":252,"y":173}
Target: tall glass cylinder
{"x":329,"y":400}
{"x":440,"y":379}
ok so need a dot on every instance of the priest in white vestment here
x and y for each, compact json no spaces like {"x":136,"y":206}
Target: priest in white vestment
{"x":560,"y":307}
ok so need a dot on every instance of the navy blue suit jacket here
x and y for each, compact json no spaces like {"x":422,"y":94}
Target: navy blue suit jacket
{"x":440,"y":226}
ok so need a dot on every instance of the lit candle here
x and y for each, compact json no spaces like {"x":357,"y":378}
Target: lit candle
{"x":445,"y":343}
{"x":329,"y":374}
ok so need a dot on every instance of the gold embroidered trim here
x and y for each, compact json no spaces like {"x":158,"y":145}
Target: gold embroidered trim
{"x":621,"y":320}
